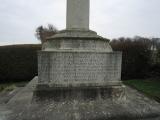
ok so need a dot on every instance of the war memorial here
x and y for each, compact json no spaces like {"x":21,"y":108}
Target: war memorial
{"x":79,"y":78}
{"x":77,"y":62}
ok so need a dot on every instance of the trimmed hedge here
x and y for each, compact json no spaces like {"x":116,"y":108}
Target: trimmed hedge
{"x":18,"y":62}
{"x":137,"y":57}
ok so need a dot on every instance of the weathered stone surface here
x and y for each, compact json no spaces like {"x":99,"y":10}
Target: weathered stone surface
{"x":79,"y":93}
{"x":136,"y":106}
{"x":78,"y":14}
{"x":79,"y":68}
{"x":79,"y":44}
{"x":77,"y":40}
{"x":78,"y":33}
{"x":25,"y":94}
{"x":4,"y":112}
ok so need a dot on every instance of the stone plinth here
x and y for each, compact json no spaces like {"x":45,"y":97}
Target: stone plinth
{"x":79,"y":64}
{"x":79,"y":74}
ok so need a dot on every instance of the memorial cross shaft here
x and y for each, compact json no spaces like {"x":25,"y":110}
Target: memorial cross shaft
{"x":78,"y":14}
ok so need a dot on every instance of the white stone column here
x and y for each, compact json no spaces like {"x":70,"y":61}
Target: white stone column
{"x":78,"y":14}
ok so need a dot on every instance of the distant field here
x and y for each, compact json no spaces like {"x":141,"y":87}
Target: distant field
{"x":150,"y":87}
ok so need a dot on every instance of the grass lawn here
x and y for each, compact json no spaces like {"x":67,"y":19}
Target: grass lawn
{"x":150,"y":87}
{"x":11,"y":86}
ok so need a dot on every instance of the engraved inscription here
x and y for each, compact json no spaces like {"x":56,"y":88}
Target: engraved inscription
{"x":80,"y":67}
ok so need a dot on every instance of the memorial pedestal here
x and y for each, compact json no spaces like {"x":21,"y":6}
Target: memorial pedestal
{"x":78,"y":64}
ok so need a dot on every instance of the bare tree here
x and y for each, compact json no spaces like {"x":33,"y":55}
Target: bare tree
{"x":42,"y":33}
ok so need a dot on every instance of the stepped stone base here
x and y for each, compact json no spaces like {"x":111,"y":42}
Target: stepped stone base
{"x":79,"y":93}
{"x":24,"y":106}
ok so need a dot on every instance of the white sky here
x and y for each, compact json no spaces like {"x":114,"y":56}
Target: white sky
{"x":109,"y":18}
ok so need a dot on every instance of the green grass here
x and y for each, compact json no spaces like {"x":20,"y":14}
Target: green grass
{"x":11,"y":86}
{"x":7,"y":87}
{"x":150,"y":87}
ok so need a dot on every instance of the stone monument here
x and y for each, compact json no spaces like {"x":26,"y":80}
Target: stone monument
{"x":79,"y":78}
{"x":77,"y":63}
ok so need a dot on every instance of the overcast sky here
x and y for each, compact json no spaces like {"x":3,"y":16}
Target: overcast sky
{"x":109,"y":18}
